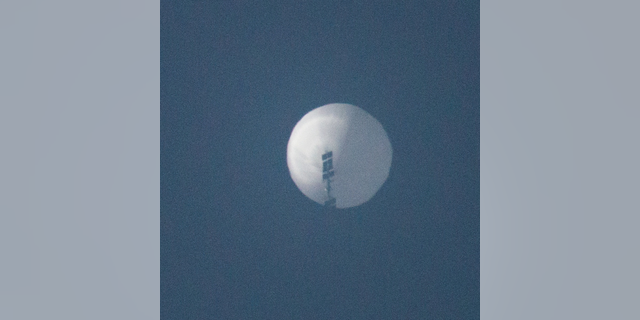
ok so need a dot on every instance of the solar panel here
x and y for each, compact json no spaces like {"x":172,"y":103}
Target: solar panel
{"x":327,"y":165}
{"x":327,"y":173}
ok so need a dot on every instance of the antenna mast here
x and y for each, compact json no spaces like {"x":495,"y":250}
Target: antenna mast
{"x":327,"y":174}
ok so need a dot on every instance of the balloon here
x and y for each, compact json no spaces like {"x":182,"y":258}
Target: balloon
{"x":339,"y":152}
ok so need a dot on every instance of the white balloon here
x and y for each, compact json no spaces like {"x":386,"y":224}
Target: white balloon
{"x":361,"y":154}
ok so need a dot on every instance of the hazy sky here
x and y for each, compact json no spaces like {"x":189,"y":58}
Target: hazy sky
{"x":239,"y":240}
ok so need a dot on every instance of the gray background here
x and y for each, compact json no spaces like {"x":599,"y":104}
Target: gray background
{"x":559,"y":160}
{"x":79,"y":160}
{"x":79,"y":164}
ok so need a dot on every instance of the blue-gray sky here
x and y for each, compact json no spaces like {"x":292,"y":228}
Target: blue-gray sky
{"x":239,"y":240}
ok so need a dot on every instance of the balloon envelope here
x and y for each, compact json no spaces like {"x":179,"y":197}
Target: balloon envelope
{"x":361,"y":154}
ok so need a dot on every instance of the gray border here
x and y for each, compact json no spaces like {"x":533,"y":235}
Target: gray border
{"x":79,"y":160}
{"x":79,"y":182}
{"x":560,"y":149}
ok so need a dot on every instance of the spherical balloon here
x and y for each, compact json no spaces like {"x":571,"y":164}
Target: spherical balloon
{"x":339,"y":152}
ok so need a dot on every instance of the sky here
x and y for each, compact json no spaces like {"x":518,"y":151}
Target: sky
{"x":238,"y":239}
